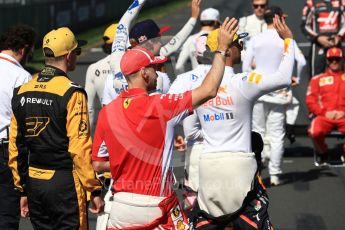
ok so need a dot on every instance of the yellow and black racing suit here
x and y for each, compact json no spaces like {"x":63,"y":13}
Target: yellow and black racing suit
{"x":50,"y":118}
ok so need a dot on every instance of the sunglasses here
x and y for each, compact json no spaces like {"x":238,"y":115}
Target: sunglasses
{"x":336,"y":59}
{"x":262,"y":6}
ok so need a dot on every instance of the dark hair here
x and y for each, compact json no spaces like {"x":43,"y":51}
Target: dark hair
{"x":215,"y":24}
{"x":48,"y":52}
{"x":270,"y":12}
{"x":49,"y":56}
{"x":17,"y":37}
{"x":268,"y":18}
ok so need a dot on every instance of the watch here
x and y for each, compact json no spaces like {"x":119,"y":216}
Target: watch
{"x":221,"y":52}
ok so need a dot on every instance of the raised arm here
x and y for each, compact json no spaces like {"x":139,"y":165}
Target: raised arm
{"x":209,"y":87}
{"x":176,"y":42}
{"x":121,"y":36}
{"x":184,"y":55}
{"x":255,"y":84}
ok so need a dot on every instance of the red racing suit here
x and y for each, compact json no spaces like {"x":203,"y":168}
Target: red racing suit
{"x":326,"y":92}
{"x":322,"y":17}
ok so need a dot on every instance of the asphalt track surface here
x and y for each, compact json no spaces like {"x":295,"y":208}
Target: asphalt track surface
{"x":310,"y":198}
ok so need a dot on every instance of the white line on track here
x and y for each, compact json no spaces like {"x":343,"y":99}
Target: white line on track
{"x":288,"y":161}
{"x":96,"y":50}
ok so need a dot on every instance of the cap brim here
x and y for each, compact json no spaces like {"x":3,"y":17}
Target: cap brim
{"x":334,"y":56}
{"x":164,"y":29}
{"x":242,"y":35}
{"x":159,"y":60}
{"x":81,"y":43}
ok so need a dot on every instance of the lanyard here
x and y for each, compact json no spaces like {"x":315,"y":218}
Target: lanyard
{"x":13,"y":62}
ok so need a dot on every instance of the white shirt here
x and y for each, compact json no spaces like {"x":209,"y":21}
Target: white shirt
{"x":176,"y":42}
{"x":226,"y":119}
{"x":251,"y":24}
{"x":266,"y":50}
{"x":184,"y":82}
{"x":12,"y":75}
{"x":96,"y":76}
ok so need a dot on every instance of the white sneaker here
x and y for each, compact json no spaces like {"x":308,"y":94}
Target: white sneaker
{"x":274,"y":179}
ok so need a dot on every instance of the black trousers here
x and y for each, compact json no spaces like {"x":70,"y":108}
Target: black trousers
{"x":56,"y":202}
{"x":9,"y":197}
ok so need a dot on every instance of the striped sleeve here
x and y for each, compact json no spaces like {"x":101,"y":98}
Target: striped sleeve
{"x":18,"y":156}
{"x":78,"y":132}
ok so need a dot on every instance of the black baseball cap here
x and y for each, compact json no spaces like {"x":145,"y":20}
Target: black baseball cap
{"x":145,"y":30}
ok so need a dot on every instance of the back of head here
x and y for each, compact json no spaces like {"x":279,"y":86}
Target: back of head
{"x":212,"y":43}
{"x":60,"y":42}
{"x":144,"y":31}
{"x":210,"y":17}
{"x":108,"y":37}
{"x":17,"y":37}
{"x":270,"y":12}
{"x":137,"y":58}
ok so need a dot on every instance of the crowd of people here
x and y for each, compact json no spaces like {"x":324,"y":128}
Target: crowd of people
{"x":52,"y":168}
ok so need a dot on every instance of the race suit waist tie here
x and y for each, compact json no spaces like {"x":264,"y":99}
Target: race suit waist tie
{"x":139,"y":212}
{"x":225,"y":180}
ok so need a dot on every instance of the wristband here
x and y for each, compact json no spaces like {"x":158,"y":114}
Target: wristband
{"x":221,"y":52}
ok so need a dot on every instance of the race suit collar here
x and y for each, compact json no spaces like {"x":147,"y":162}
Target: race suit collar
{"x":49,"y":72}
{"x":134,"y":92}
{"x":329,"y":71}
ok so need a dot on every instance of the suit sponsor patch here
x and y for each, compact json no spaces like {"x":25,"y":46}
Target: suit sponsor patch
{"x":254,"y":78}
{"x":83,"y":129}
{"x":326,"y":81}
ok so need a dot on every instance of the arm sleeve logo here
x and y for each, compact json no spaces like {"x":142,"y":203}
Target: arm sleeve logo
{"x":83,"y":129}
{"x":254,"y":78}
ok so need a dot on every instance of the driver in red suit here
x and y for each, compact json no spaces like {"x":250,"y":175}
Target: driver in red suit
{"x":326,"y":100}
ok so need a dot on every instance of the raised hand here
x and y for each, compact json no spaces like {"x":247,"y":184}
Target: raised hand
{"x":226,"y":33}
{"x":281,"y":27}
{"x":195,"y":8}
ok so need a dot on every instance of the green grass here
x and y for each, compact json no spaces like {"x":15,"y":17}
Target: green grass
{"x":94,"y":35}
